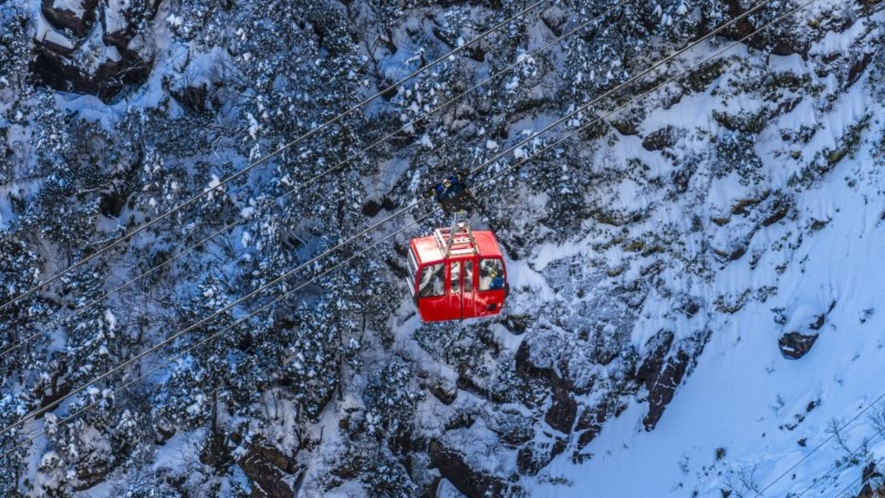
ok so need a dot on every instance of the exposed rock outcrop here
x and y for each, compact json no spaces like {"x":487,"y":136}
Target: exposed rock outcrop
{"x":555,"y":19}
{"x":99,"y":58}
{"x":794,"y":345}
{"x":471,"y":483}
{"x":267,"y":468}
{"x":53,"y":387}
{"x":779,"y":44}
{"x":664,"y":368}
{"x":872,"y":482}
{"x":267,"y":479}
{"x":562,"y":413}
{"x":92,"y":472}
{"x":60,"y":15}
{"x":661,"y":139}
{"x":563,"y":410}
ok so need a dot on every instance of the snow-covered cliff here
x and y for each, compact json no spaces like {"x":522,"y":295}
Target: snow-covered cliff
{"x":692,"y":252}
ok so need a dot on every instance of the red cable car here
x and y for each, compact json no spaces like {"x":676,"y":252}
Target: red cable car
{"x":457,"y":273}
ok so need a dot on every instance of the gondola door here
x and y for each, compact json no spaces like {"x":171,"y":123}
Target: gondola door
{"x":468,"y":289}
{"x":461,"y":302}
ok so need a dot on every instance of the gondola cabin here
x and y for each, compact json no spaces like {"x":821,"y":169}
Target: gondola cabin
{"x":457,"y":275}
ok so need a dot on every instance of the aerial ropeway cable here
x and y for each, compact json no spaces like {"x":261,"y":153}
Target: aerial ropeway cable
{"x":861,"y":448}
{"x":498,"y":156}
{"x":81,"y":308}
{"x":414,"y":204}
{"x":820,"y":445}
{"x":522,"y":161}
{"x":456,"y":273}
{"x":217,"y":186}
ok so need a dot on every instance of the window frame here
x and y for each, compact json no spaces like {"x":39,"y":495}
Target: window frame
{"x":468,"y":275}
{"x":455,"y":277}
{"x":500,"y":267}
{"x":413,"y":272}
{"x":440,"y":271}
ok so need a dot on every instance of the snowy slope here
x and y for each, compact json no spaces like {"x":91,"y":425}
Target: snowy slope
{"x":749,"y":420}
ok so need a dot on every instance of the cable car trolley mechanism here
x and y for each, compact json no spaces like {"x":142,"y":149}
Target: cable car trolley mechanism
{"x":456,"y":272}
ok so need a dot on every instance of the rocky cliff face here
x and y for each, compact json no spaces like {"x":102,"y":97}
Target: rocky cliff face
{"x":615,"y":236}
{"x":94,"y":48}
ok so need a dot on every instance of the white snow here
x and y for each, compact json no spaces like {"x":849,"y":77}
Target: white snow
{"x":214,"y":184}
{"x":45,"y":32}
{"x":253,"y":126}
{"x":111,"y":319}
{"x":425,"y":141}
{"x":174,"y":20}
{"x":74,"y":6}
{"x":115,"y":15}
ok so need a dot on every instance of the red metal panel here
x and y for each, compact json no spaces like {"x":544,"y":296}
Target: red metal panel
{"x":490,"y":302}
{"x":487,"y":244}
{"x":428,"y":251}
{"x":434,"y":309}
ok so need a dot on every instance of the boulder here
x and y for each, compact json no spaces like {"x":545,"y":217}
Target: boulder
{"x":163,"y":430}
{"x":268,"y":481}
{"x":269,"y":469}
{"x":795,"y":345}
{"x":777,"y":210}
{"x":515,"y":324}
{"x":466,"y":383}
{"x":446,"y":394}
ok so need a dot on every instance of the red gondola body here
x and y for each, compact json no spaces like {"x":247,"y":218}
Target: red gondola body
{"x":457,"y":275}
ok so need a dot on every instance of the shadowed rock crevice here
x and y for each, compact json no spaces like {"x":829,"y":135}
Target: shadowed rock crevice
{"x":471,"y":483}
{"x":84,"y":56}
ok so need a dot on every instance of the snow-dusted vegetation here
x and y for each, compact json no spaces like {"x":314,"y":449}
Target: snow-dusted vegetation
{"x":205,"y":209}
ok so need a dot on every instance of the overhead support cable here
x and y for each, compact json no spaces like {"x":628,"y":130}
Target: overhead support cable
{"x":498,"y":156}
{"x":218,"y":186}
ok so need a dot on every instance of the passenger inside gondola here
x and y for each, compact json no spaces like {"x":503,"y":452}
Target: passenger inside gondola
{"x":491,"y":274}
